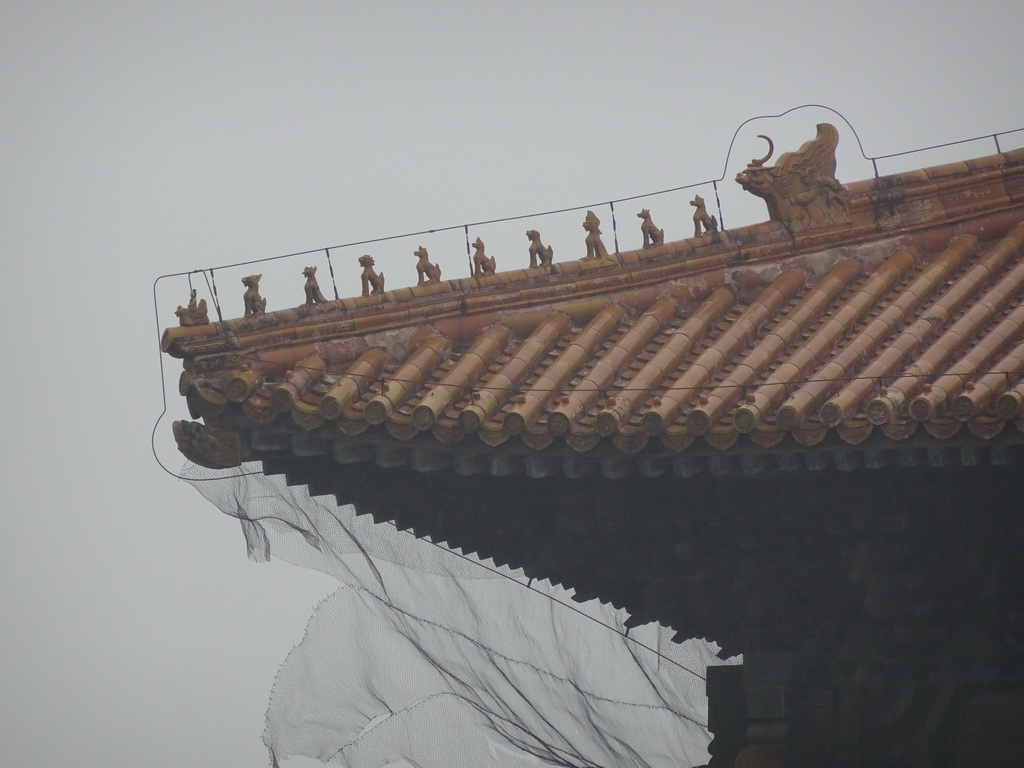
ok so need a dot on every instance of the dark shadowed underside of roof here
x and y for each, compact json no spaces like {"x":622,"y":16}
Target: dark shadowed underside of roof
{"x":801,"y":439}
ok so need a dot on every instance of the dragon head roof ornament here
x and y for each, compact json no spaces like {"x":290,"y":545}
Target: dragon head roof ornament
{"x":801,"y":190}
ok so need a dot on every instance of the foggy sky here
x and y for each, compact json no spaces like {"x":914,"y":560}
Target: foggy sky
{"x":141,"y":139}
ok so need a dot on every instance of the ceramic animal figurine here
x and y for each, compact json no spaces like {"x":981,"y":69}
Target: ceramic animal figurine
{"x":373,"y":284}
{"x":538,"y":251}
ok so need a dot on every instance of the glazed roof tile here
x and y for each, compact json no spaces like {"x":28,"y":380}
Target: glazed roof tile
{"x":901,"y":327}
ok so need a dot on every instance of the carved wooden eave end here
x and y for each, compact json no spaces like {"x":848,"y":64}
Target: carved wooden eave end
{"x":208,"y":446}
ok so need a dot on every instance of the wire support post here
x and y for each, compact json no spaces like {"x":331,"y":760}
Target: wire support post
{"x":718,"y":205}
{"x":330,"y":268}
{"x":995,"y":137}
{"x":216,"y":300}
{"x":615,"y":228}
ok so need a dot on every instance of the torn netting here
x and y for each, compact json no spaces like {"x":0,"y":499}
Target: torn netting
{"x":445,"y":661}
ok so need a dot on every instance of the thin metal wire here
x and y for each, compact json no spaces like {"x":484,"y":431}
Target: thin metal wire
{"x":212,"y":285}
{"x":509,"y":577}
{"x":948,"y":144}
{"x":156,"y":457}
{"x":163,"y":398}
{"x":837,"y":113}
{"x":551,"y":212}
{"x":529,"y":586}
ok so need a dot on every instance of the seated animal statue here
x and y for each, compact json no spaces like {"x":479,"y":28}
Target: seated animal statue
{"x":425,"y":271}
{"x":313,"y":294}
{"x":254,"y":303}
{"x":194,"y":313}
{"x":373,"y":284}
{"x":595,"y":246}
{"x":482,"y":263}
{"x":539,"y":251}
{"x":652,"y":235}
{"x":702,"y":219}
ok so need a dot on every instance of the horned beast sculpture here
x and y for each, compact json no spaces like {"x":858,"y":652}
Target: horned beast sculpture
{"x":800,"y":190}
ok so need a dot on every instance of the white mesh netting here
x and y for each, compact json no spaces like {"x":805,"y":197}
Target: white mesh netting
{"x":443,"y":661}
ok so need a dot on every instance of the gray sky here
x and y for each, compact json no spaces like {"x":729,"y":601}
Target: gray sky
{"x":140,"y":138}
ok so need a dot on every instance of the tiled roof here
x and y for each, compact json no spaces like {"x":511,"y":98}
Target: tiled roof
{"x":901,"y":327}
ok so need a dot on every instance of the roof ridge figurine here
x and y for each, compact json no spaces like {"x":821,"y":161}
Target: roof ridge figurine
{"x":313,"y":293}
{"x":652,"y":235}
{"x":539,"y":251}
{"x":595,"y":246}
{"x":194,"y":313}
{"x":701,"y":218}
{"x":373,"y":284}
{"x":425,"y":271}
{"x":800,"y":190}
{"x":482,"y":263}
{"x":254,"y":303}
